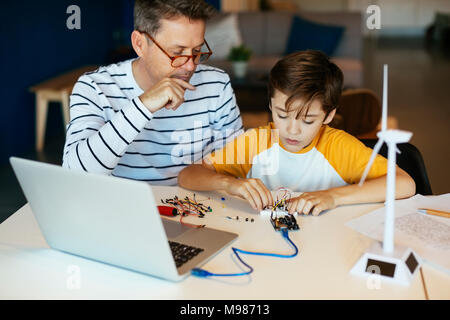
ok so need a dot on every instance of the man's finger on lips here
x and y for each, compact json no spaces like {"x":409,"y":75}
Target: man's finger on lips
{"x":178,"y":89}
{"x":184,"y":84}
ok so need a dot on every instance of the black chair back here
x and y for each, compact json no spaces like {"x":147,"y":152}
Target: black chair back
{"x":410,"y":159}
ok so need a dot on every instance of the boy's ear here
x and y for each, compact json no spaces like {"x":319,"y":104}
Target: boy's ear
{"x":330,"y":117}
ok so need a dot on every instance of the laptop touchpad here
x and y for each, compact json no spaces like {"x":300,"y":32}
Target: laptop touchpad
{"x":174,"y":228}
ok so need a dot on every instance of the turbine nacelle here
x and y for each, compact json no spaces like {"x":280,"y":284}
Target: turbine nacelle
{"x":394,"y":136}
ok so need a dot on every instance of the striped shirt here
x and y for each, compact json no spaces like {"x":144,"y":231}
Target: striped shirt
{"x":112,"y":132}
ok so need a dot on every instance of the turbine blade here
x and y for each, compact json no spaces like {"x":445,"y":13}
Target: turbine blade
{"x":376,"y":148}
{"x":385,"y":96}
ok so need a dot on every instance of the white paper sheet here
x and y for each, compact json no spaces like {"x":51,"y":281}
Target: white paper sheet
{"x":427,"y":235}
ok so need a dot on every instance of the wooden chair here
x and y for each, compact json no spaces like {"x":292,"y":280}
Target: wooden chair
{"x":255,"y":119}
{"x":55,"y":89}
{"x":359,"y":113}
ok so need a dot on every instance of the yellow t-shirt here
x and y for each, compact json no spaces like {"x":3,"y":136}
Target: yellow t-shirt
{"x":334,"y":158}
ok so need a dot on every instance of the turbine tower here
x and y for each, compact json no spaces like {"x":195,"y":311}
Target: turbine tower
{"x":388,"y":261}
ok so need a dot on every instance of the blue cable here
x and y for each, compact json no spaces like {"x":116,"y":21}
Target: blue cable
{"x":204,"y":273}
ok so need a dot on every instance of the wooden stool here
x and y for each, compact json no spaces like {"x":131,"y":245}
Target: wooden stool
{"x":254,"y":119}
{"x":56,"y":89}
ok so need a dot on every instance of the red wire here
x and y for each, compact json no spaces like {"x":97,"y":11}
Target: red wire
{"x":184,"y":212}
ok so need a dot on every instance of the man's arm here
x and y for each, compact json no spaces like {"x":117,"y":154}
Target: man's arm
{"x":95,"y":144}
{"x":203,"y":177}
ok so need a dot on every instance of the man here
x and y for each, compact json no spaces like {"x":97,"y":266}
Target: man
{"x":148,"y":118}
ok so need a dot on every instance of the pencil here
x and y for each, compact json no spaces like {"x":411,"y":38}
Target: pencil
{"x":434,"y":212}
{"x":423,"y":284}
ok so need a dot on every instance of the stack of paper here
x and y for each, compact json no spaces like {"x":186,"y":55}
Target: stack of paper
{"x":427,"y":235}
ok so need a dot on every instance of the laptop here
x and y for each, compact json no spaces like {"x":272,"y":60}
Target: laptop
{"x":114,"y":221}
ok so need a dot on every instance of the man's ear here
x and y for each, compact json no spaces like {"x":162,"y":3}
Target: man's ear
{"x":139,"y":42}
{"x":330,"y":117}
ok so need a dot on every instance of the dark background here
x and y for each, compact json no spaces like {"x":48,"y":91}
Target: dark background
{"x":37,"y":45}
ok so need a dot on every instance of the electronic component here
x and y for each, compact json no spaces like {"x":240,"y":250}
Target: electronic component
{"x":185,"y":207}
{"x":279,"y":215}
{"x":237,"y":218}
{"x":287,"y":221}
{"x":168,"y":211}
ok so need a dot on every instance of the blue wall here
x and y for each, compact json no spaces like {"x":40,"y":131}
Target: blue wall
{"x":215,"y":3}
{"x":36,"y":45}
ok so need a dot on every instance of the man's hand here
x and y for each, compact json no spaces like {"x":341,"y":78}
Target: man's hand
{"x":168,"y":93}
{"x":252,"y":190}
{"x":312,"y":202}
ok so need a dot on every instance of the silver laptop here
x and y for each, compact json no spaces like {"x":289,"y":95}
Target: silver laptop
{"x":113,"y":220}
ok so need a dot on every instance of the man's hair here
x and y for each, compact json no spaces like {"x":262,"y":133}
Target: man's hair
{"x":307,"y":75}
{"x":148,"y":13}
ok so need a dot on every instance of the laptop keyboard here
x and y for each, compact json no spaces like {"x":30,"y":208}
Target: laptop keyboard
{"x":183,"y":253}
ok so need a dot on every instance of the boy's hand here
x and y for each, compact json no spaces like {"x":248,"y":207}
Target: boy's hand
{"x":312,"y":202}
{"x":252,"y":190}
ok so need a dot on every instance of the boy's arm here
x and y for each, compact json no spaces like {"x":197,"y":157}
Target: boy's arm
{"x":373,"y":190}
{"x":203,"y":177}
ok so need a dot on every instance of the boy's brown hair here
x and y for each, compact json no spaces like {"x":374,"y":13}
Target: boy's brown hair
{"x":307,"y":75}
{"x":147,"y":13}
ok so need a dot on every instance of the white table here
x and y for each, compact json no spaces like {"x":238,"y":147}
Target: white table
{"x":29,"y":269}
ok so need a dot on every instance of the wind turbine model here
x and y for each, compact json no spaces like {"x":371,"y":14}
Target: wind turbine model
{"x":397,"y":264}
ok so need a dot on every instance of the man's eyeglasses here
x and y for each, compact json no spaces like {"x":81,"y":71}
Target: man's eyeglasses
{"x":178,"y":61}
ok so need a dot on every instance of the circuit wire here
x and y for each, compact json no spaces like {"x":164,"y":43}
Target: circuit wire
{"x":204,"y":273}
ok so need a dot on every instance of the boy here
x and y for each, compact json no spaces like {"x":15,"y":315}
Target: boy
{"x":298,"y":150}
